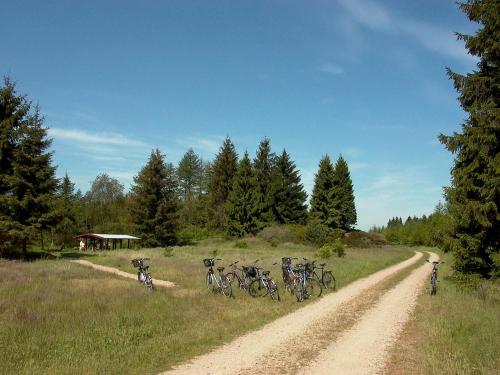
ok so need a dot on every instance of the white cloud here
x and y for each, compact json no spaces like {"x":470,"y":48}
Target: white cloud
{"x":330,"y":68}
{"x":375,"y":16}
{"x":207,"y":145}
{"x":84,"y":137}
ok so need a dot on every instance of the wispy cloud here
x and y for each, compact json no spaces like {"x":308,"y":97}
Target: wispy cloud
{"x":81,"y":136}
{"x":330,"y":68}
{"x":207,"y":145}
{"x":376,"y":17}
{"x":358,"y":166}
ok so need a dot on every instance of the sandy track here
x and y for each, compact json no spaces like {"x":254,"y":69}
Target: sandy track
{"x":363,"y":348}
{"x":247,"y":351}
{"x":156,"y":282}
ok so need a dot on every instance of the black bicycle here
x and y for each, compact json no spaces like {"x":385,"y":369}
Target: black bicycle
{"x":264,"y":285}
{"x":306,"y":286}
{"x":289,"y":277}
{"x":326,"y":278}
{"x":242,"y":275}
{"x":434,"y":277}
{"x":143,"y":274}
{"x":217,"y":283}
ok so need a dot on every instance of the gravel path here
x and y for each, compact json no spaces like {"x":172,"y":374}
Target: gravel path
{"x":247,"y":352}
{"x":156,"y":282}
{"x":363,"y":348}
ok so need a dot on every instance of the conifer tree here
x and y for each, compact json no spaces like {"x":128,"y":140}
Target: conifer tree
{"x":32,"y":184}
{"x":154,"y":202}
{"x":221,"y":179}
{"x":263,"y":164}
{"x":240,"y":207}
{"x":321,"y":195}
{"x":342,"y":210}
{"x":66,"y":210}
{"x":287,"y":192}
{"x":190,"y":173}
{"x":474,"y":194}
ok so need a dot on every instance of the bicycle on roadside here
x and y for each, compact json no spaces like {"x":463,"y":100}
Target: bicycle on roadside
{"x":243,"y":275}
{"x":306,"y":286}
{"x":434,"y":277}
{"x":143,"y":274}
{"x":326,"y":278}
{"x":289,"y":277}
{"x":263,"y":285}
{"x":217,"y":283}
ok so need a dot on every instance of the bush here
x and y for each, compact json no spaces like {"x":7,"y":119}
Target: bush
{"x":318,"y":234}
{"x":168,"y":252}
{"x":278,"y":234}
{"x":298,"y":230}
{"x":191,"y":233}
{"x":339,"y":249}
{"x":241,"y":245}
{"x":326,"y":251}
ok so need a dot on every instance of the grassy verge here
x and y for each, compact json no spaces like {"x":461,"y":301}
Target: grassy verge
{"x":61,"y":318}
{"x":455,"y":332}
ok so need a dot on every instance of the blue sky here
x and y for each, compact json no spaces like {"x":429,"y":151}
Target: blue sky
{"x":362,"y":78}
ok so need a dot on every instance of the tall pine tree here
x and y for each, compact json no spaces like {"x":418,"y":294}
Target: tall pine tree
{"x":221,"y":179}
{"x":342,"y":210}
{"x":31,"y":184}
{"x":287,"y":192}
{"x":240,"y":206}
{"x":263,"y":165}
{"x":322,"y":191}
{"x":154,"y":202}
{"x":474,"y":194}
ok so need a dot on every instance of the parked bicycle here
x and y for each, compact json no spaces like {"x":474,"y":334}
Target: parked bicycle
{"x":217,"y":283}
{"x":289,"y":277}
{"x":264,"y":285}
{"x":434,"y":277}
{"x":242,"y":275}
{"x":326,"y":278}
{"x":143,"y":274}
{"x":306,"y":286}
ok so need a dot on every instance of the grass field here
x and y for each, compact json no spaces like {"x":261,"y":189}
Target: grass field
{"x":62,"y":318}
{"x":455,"y":332}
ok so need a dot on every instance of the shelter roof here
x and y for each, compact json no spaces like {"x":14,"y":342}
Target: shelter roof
{"x":104,"y":236}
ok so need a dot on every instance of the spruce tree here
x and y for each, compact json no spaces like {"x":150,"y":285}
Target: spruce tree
{"x":321,"y":194}
{"x":66,"y":211}
{"x":221,"y":179}
{"x":287,"y":192}
{"x":240,"y":207}
{"x":189,"y":172}
{"x":342,"y":210}
{"x":154,"y":202}
{"x":263,"y":164}
{"x":474,"y":194}
{"x":32,"y":184}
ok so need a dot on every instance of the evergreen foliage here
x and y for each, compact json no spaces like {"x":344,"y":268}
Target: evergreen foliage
{"x":65,"y":210}
{"x":154,"y":203}
{"x":221,"y":180}
{"x":474,"y":194}
{"x":241,"y":204}
{"x":27,"y":181}
{"x":287,"y":192}
{"x":263,"y":166}
{"x":322,"y":191}
{"x":342,"y":210}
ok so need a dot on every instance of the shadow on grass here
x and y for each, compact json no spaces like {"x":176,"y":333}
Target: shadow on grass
{"x":75,"y":255}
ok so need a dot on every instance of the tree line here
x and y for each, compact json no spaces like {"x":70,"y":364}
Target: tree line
{"x":167,"y":203}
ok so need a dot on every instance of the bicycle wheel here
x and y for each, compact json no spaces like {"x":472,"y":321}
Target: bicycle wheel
{"x":329,"y":281}
{"x":273,"y":290}
{"x":140,"y":277}
{"x":225,"y":286}
{"x":255,"y":289}
{"x":210,"y":282}
{"x":298,"y":289}
{"x":313,"y":288}
{"x":149,"y":282}
{"x":433,"y":285}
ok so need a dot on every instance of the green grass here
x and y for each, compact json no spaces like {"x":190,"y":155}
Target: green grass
{"x":455,"y":332}
{"x":62,"y":318}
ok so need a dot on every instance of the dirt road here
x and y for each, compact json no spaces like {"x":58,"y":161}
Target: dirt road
{"x":156,"y":282}
{"x":347,"y":332}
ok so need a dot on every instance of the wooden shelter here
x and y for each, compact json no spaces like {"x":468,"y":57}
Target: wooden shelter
{"x":100,"y":241}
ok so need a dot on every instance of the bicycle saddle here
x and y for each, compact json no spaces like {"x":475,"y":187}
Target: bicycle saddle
{"x":322,"y":264}
{"x":265,"y":273}
{"x":220,"y":269}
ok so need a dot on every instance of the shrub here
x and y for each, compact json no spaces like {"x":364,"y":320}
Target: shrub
{"x":241,"y":245}
{"x":339,"y":249}
{"x":298,"y":230}
{"x":168,"y":252}
{"x":278,"y":234}
{"x":274,"y":244}
{"x":317,"y":234}
{"x":325,"y":251}
{"x":191,"y":233}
